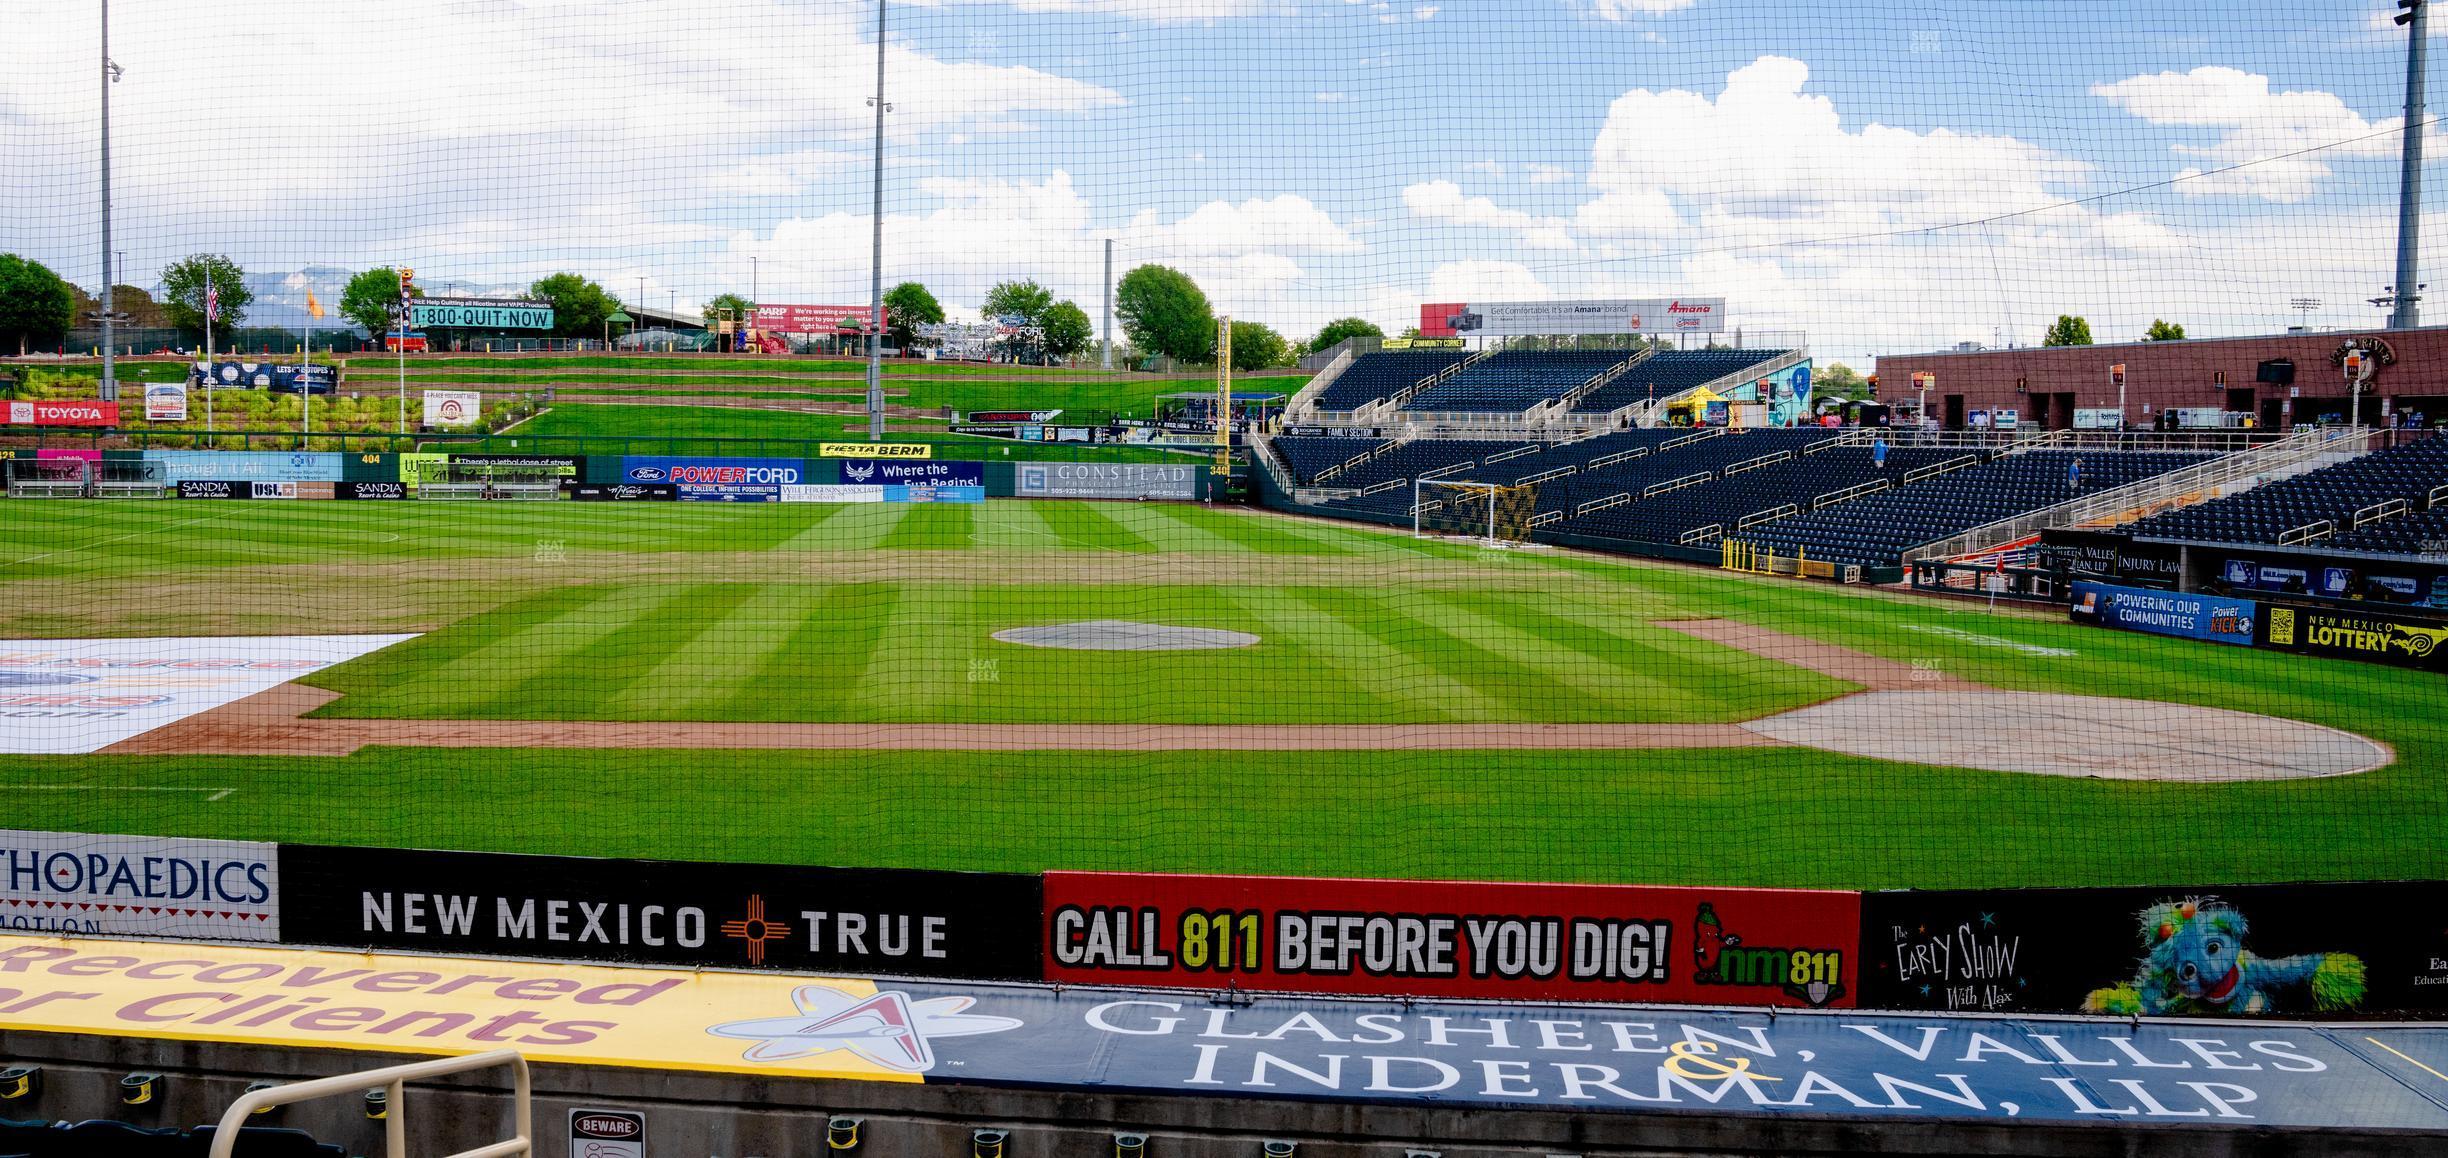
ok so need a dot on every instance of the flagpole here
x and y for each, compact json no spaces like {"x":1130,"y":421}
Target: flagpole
{"x":209,"y":376}
{"x":306,"y":378}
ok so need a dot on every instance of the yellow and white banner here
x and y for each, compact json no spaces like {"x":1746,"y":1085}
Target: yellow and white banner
{"x":876,"y":450}
{"x":590,"y":1015}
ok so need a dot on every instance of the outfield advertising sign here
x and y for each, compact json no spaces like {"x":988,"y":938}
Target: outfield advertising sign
{"x":481,"y":313}
{"x":735,"y":916}
{"x":1789,"y":947}
{"x":874,"y":472}
{"x":1083,"y":480}
{"x":2377,"y":637}
{"x":2259,"y":951}
{"x":453,"y":408}
{"x":903,"y":450}
{"x":1604,"y":316}
{"x":2187,"y":616}
{"x":722,"y":480}
{"x":248,"y":466}
{"x":166,"y":402}
{"x":37,"y":413}
{"x":138,"y":886}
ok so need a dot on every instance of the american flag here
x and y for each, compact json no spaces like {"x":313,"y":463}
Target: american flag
{"x":212,"y":304}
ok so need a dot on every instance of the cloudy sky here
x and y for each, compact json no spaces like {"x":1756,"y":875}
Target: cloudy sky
{"x":1897,"y":175}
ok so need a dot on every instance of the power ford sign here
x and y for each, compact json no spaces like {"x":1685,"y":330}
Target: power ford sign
{"x":715,"y":478}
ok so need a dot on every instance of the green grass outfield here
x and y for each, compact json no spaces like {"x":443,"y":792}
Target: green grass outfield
{"x":664,"y":424}
{"x":872,"y":613}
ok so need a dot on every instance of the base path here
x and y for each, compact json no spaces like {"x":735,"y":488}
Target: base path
{"x":1908,"y":714}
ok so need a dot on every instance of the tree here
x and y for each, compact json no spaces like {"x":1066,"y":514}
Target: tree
{"x":2164,"y":332}
{"x":1340,"y":329}
{"x":1066,"y":330}
{"x":907,"y":307}
{"x":727,"y":305}
{"x":1409,"y":332}
{"x":579,"y":306}
{"x":1165,"y":313}
{"x":1838,"y":379}
{"x":183,"y":293}
{"x":1022,"y":299}
{"x":371,"y":297}
{"x":2069,"y":331}
{"x":36,"y":304}
{"x":1256,"y":346}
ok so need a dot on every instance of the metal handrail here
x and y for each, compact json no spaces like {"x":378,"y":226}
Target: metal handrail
{"x":1636,"y":452}
{"x":1543,"y":518}
{"x":1617,"y":499}
{"x":1701,"y":534}
{"x":1695,"y":436}
{"x":1545,"y":475}
{"x":2378,"y":511}
{"x":1770,"y":459}
{"x":2306,"y":533}
{"x":1848,"y":494}
{"x":2437,"y":497}
{"x":1935,"y":469}
{"x":1516,"y":452}
{"x":1676,"y":484}
{"x":1771,"y":514}
{"x":395,"y":1127}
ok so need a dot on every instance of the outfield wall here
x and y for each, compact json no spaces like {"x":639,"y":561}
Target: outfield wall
{"x":2287,"y":950}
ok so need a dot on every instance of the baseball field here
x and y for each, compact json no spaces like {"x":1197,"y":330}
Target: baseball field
{"x":842,"y":685}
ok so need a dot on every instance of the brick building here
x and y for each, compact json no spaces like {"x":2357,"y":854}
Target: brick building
{"x":2280,"y":380}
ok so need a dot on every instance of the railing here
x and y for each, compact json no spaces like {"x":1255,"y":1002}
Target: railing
{"x":1597,"y":381}
{"x":1546,"y":518}
{"x":2378,"y":511}
{"x":1935,"y":469}
{"x":1848,"y":494}
{"x":1380,"y":488}
{"x":1627,"y":456}
{"x":2053,"y":440}
{"x":1676,"y":484}
{"x":1617,"y":499}
{"x":1407,"y":393}
{"x":2307,"y":533}
{"x":1695,"y":436}
{"x":1389,"y":446}
{"x":1442,"y":471}
{"x":1502,"y":455}
{"x":1755,"y":518}
{"x":1748,"y":464}
{"x":1307,"y":398}
{"x":2438,"y":496}
{"x":1546,"y":475}
{"x":2207,"y":480}
{"x":395,"y":1125}
{"x":1698,"y":535}
{"x":1858,"y":436}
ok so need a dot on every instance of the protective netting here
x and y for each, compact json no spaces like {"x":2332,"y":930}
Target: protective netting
{"x":1761,"y":203}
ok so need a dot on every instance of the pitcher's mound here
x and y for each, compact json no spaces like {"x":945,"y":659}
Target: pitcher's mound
{"x":2074,"y":736}
{"x":1123,"y":635}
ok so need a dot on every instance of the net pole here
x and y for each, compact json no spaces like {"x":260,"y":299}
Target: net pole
{"x":1491,"y":502}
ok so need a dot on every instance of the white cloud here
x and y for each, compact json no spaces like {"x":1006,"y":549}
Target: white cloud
{"x":1425,"y":12}
{"x":1540,"y":174}
{"x":1635,"y":9}
{"x":2255,"y":124}
{"x":1444,"y":201}
{"x":1330,"y":98}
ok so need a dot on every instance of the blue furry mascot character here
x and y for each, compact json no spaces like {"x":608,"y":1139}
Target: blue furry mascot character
{"x":2197,"y":965}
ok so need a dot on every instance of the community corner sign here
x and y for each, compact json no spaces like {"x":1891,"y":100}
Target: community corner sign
{"x":482,"y":313}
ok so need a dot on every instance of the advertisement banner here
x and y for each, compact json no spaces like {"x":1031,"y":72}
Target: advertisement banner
{"x":1607,"y":316}
{"x":1852,"y":1066}
{"x":166,"y":402}
{"x":902,"y":450}
{"x":2377,"y":637}
{"x":481,"y":313}
{"x":277,"y":377}
{"x":1790,"y":947}
{"x":832,"y":494}
{"x":871,"y":472}
{"x":60,"y":413}
{"x":248,"y":465}
{"x":729,"y":494}
{"x":688,"y":472}
{"x":273,"y":490}
{"x":1086,"y":480}
{"x":199,"y":488}
{"x":370,"y":490}
{"x":2205,"y":617}
{"x":1007,"y":416}
{"x":453,"y":408}
{"x":554,"y":465}
{"x":138,"y":886}
{"x":812,"y":320}
{"x":624,"y":492}
{"x":1420,"y":344}
{"x":926,"y":494}
{"x":2107,"y":555}
{"x":72,"y":696}
{"x":2334,"y":951}
{"x":732,"y":916}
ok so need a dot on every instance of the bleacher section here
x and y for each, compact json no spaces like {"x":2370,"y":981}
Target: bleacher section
{"x":1513,"y":381}
{"x":1726,"y":500}
{"x":1371,"y":377}
{"x":1413,"y":459}
{"x":1670,"y":372}
{"x":1876,"y":529}
{"x":2331,"y":495}
{"x":1305,"y":455}
{"x":2419,"y":532}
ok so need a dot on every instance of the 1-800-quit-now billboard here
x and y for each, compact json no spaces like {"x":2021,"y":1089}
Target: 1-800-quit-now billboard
{"x":1790,"y":947}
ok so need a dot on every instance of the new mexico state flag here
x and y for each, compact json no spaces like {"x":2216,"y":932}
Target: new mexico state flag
{"x":721,"y":1022}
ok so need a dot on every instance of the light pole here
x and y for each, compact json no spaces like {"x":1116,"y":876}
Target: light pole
{"x":2408,"y":311}
{"x":2303,"y":308}
{"x":752,"y":281}
{"x":110,"y":76}
{"x":875,"y":269}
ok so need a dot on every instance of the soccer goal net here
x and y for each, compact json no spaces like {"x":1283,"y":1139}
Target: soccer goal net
{"x":47,"y":478}
{"x":1494,"y":513}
